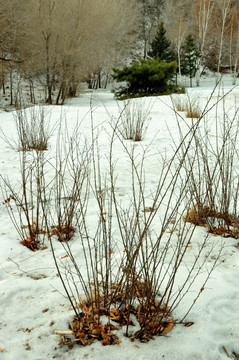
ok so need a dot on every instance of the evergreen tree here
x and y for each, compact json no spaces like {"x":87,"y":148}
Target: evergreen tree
{"x":145,"y":77}
{"x":190,"y":56}
{"x":161,"y":46}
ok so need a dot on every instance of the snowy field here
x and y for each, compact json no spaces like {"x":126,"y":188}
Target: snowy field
{"x":32,"y":300}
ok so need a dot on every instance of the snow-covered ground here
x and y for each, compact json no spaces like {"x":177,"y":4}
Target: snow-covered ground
{"x":32,"y":300}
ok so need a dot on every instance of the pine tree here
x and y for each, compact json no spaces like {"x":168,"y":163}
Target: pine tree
{"x":145,"y":77}
{"x":190,"y":56}
{"x":161,"y":46}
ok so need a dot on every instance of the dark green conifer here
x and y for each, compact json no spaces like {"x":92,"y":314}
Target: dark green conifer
{"x":161,"y":46}
{"x":190,"y":56}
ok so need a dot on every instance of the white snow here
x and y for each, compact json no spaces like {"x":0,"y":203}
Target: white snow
{"x":32,"y":300}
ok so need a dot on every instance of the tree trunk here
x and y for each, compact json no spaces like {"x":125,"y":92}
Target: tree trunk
{"x":48,"y":80}
{"x":11,"y":88}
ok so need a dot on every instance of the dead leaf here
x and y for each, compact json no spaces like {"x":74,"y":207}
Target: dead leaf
{"x":106,"y":342}
{"x":115,"y":318}
{"x":81,"y":334}
{"x":65,"y":256}
{"x":1,"y":350}
{"x":168,"y":327}
{"x":114,"y":311}
{"x":137,"y":346}
{"x":45,"y":310}
{"x":188,"y":324}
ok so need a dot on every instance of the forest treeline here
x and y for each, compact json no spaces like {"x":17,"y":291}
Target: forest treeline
{"x":58,"y":43}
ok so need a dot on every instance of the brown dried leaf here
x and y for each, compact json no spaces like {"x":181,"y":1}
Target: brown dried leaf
{"x":96,"y":332}
{"x":106,"y":342}
{"x":83,"y":341}
{"x":188,"y":324}
{"x":168,"y":327}
{"x":115,"y":318}
{"x":81,"y":334}
{"x":114,"y":311}
{"x":116,"y":340}
{"x":84,"y":307}
{"x":75,"y":325}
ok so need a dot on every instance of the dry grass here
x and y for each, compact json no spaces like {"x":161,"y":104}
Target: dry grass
{"x":179,"y":102}
{"x":193,"y":113}
{"x":187,"y":104}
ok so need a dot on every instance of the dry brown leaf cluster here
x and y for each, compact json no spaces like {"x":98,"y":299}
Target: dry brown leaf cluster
{"x":198,"y":215}
{"x":31,"y":243}
{"x":85,"y":332}
{"x":222,"y":231}
{"x":63,"y":232}
{"x":154,"y":319}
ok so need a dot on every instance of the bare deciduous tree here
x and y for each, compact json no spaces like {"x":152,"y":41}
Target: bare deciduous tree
{"x":202,"y":12}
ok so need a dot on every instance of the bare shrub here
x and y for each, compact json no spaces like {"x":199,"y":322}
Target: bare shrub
{"x":135,"y":118}
{"x":130,"y":255}
{"x":179,"y":102}
{"x":188,"y":104}
{"x":33,"y":129}
{"x":71,"y":170}
{"x":26,"y":200}
{"x":131,"y":258}
{"x":212,"y":170}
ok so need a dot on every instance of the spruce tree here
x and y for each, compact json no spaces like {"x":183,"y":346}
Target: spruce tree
{"x":161,"y":46}
{"x":190,"y":56}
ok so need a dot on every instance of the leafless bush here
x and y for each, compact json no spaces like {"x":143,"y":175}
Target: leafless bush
{"x":71,"y":168}
{"x":33,"y":129}
{"x":130,"y":254}
{"x":179,"y":102}
{"x":187,"y":103}
{"x":135,"y":118}
{"x":212,"y":168}
{"x":26,"y":200}
{"x":132,"y":258}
